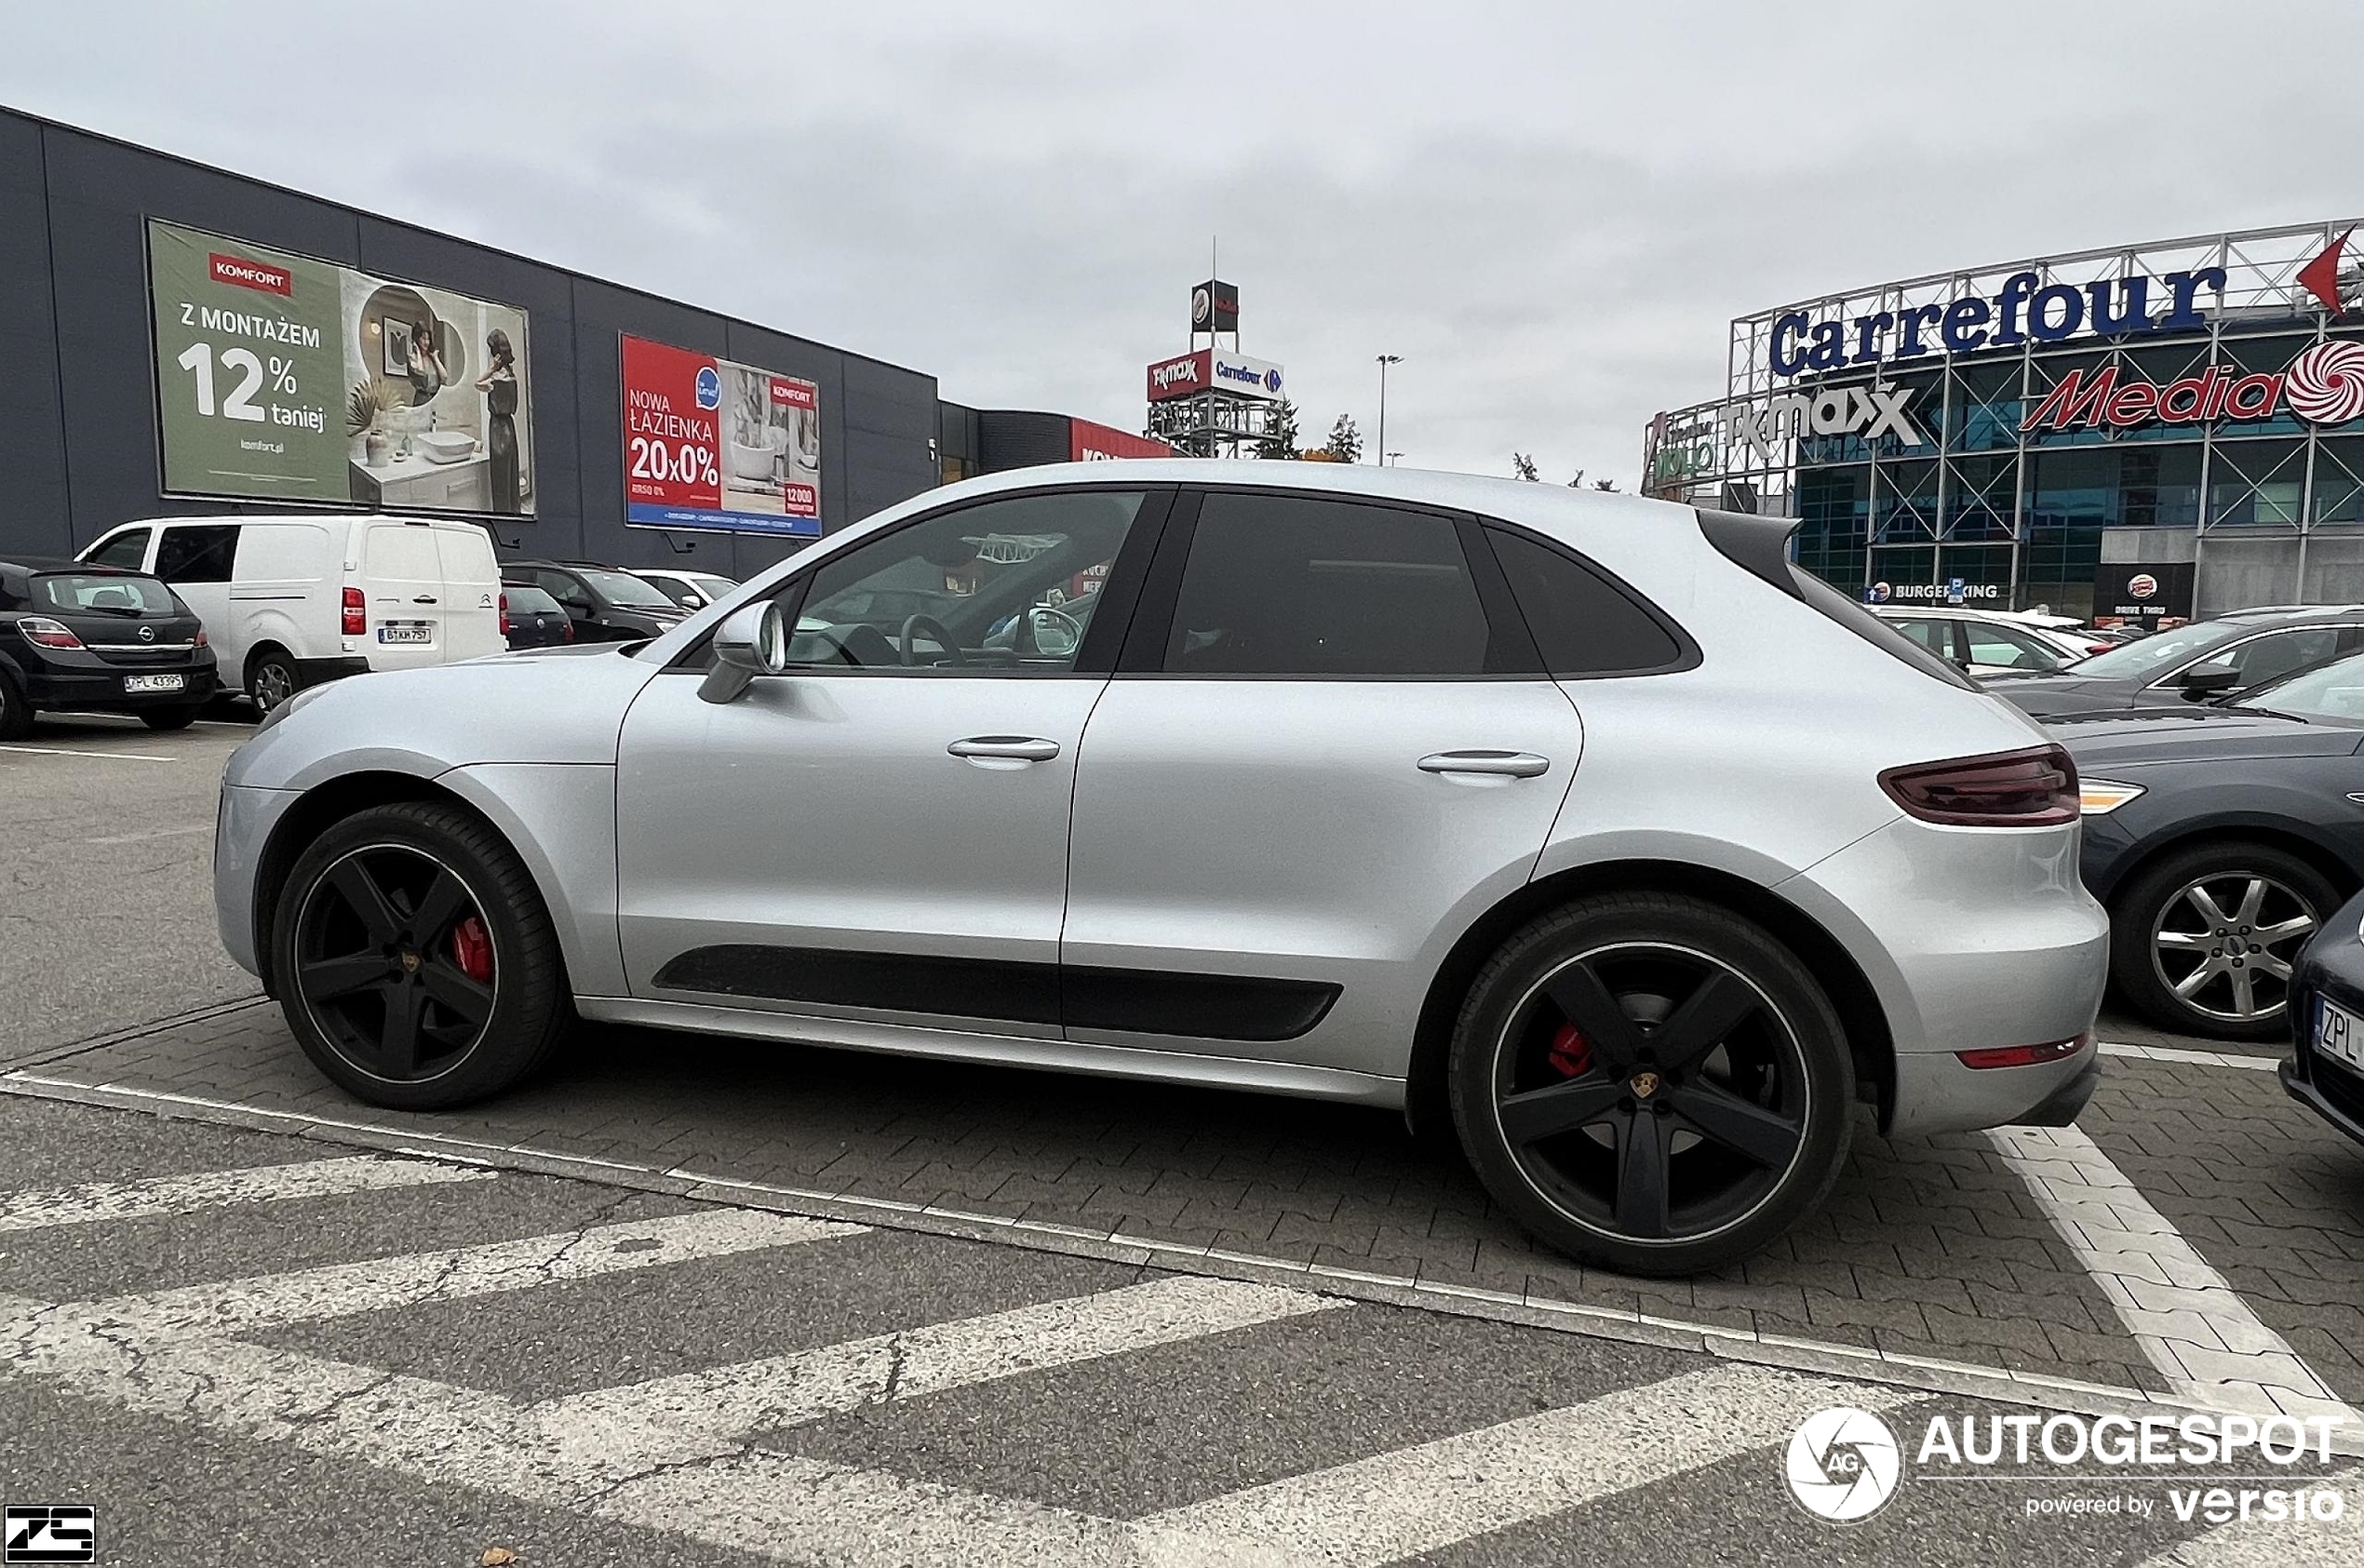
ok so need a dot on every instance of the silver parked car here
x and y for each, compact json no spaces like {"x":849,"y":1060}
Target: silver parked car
{"x":1470,"y":798}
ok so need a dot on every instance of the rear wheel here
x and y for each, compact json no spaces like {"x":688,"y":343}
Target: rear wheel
{"x":16,"y":713}
{"x":271,"y":679}
{"x":1650,"y":1083}
{"x":416,"y":964}
{"x":168,"y":719}
{"x":2202,"y":942}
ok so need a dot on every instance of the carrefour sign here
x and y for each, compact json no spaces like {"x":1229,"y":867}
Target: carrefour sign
{"x":2025,"y":309}
{"x":1212,"y":370}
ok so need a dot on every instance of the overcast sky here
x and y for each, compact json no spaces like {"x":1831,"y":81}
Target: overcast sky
{"x":1549,"y":211}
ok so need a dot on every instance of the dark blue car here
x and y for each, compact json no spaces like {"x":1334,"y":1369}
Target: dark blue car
{"x":2326,"y":1070}
{"x":2220,"y":839}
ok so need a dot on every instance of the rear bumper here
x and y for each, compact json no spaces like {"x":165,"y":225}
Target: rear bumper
{"x":1972,"y":938}
{"x":319,"y":671}
{"x":2332,"y":966}
{"x":102,"y":688}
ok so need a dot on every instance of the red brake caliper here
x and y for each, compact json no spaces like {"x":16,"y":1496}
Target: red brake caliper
{"x":1571,"y":1053}
{"x":472,"y":949}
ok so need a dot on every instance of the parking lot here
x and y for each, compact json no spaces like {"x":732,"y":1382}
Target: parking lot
{"x":2192,"y":1240}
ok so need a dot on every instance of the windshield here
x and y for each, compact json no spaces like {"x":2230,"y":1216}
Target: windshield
{"x":2334,"y":691}
{"x":623,"y":588}
{"x":82,"y":592}
{"x":2161,"y":650}
{"x":712,"y":587}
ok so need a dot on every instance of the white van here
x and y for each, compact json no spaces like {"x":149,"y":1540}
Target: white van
{"x":288,"y":602}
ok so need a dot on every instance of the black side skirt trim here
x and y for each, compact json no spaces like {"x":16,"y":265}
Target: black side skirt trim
{"x":1118,"y":1000}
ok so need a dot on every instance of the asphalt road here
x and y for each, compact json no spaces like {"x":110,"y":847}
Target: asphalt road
{"x":107,"y":916}
{"x":584,"y":1376}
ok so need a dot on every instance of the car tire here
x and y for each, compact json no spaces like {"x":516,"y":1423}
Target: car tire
{"x":16,"y":713}
{"x":1650,"y":1083}
{"x":383,"y":984}
{"x":271,"y":679}
{"x":2154,"y":918}
{"x":169,"y":718}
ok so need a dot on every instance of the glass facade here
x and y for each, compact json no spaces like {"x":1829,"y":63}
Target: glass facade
{"x":2026,"y":506}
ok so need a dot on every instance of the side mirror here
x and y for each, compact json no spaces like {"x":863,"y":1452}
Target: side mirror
{"x":753,"y":641}
{"x":2207,"y":680}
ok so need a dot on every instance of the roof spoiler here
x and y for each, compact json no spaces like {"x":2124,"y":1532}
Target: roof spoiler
{"x":1757,"y":546}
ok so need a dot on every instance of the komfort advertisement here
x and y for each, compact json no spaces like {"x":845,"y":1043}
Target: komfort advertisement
{"x":283,"y":376}
{"x":712,"y":444}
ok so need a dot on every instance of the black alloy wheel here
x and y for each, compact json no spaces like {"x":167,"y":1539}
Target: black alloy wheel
{"x":1651,"y":1083}
{"x":414,"y":959}
{"x":270,"y":680}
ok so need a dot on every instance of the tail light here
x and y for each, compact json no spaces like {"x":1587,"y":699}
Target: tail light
{"x":505,"y":615}
{"x":356,"y":613}
{"x":198,"y":641}
{"x":566,"y":628}
{"x":42,"y":632}
{"x":2099,"y":647}
{"x":2031,"y":788}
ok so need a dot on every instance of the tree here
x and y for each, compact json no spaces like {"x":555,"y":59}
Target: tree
{"x":1345,"y":444}
{"x":1523,"y":466}
{"x":1279,"y":430}
{"x":1577,"y":483}
{"x":1604,"y":484}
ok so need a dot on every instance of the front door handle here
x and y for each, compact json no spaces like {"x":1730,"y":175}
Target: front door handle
{"x":1013,"y":748}
{"x":1503,"y":764}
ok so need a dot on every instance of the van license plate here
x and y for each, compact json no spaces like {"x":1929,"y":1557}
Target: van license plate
{"x":411,"y":632}
{"x":152,"y":683}
{"x":2339,"y":1035}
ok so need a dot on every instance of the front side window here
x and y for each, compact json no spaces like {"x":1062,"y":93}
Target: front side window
{"x":1007,"y":584}
{"x":626,"y":591}
{"x":2270,"y":658}
{"x":1296,"y":585}
{"x":1932,"y":631}
{"x":127,"y":549}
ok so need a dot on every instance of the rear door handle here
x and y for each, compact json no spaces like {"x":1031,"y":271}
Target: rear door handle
{"x":1508,"y":764}
{"x":423,"y":598}
{"x":1013,"y":748}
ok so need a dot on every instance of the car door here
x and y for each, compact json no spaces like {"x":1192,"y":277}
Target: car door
{"x":2266,"y":656}
{"x":575,"y":598}
{"x":471,"y":591}
{"x":284,"y":590}
{"x":402,"y":585}
{"x":194,"y":560}
{"x":1328,"y":746}
{"x":880,"y":833}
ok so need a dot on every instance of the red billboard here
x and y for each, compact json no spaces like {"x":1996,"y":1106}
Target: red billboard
{"x":1088,"y":442}
{"x":712,"y":444}
{"x":1183,"y":376}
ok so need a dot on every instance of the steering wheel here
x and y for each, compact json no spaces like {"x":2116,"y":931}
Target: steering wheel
{"x":934,"y":629}
{"x":1034,"y":631}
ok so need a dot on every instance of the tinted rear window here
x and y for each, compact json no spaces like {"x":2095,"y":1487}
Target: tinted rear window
{"x":529,"y":601}
{"x":1582,"y":624}
{"x":85,"y":593}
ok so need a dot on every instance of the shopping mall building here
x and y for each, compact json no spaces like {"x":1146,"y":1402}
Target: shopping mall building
{"x":2190,"y":410}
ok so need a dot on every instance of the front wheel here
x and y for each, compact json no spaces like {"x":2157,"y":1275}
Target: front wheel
{"x":416,"y":964}
{"x":1650,"y":1083}
{"x":16,"y":713}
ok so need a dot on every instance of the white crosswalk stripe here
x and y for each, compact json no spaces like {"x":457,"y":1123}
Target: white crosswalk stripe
{"x":705,"y":1413}
{"x":96,"y":1202}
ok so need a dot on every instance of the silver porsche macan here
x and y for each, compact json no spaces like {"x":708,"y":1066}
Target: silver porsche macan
{"x":1586,"y":829}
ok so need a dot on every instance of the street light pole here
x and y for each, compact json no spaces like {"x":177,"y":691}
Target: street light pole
{"x":1385,"y":360}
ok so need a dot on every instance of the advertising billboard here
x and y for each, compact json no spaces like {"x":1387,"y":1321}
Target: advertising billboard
{"x":1212,"y":369}
{"x":709,"y":443}
{"x":281,"y":377}
{"x":1215,"y":307}
{"x":1088,"y":442}
{"x":2152,"y":593}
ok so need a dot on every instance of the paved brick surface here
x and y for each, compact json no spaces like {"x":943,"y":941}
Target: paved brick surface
{"x":1929,"y":1248}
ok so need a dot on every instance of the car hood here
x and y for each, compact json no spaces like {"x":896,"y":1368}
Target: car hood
{"x":2151,"y":735}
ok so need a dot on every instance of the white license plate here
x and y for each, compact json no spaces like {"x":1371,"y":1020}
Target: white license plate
{"x":152,"y":682}
{"x":2339,"y":1033}
{"x":416,"y":632}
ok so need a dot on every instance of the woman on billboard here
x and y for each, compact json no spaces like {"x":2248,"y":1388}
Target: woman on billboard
{"x":499,"y":385}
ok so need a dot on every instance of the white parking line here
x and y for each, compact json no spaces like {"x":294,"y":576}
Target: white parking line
{"x":213,"y":1189}
{"x":2189,"y":1320}
{"x":2193,"y":1058}
{"x":1425,"y":1499}
{"x":374,"y":1284}
{"x":62,"y":751}
{"x":192,"y":831}
{"x":705,"y":1414}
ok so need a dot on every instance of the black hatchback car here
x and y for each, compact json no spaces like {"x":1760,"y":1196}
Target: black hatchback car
{"x":2220,"y":839}
{"x":604,"y":603}
{"x":2190,"y":663}
{"x":88,"y":638}
{"x":533,"y":619}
